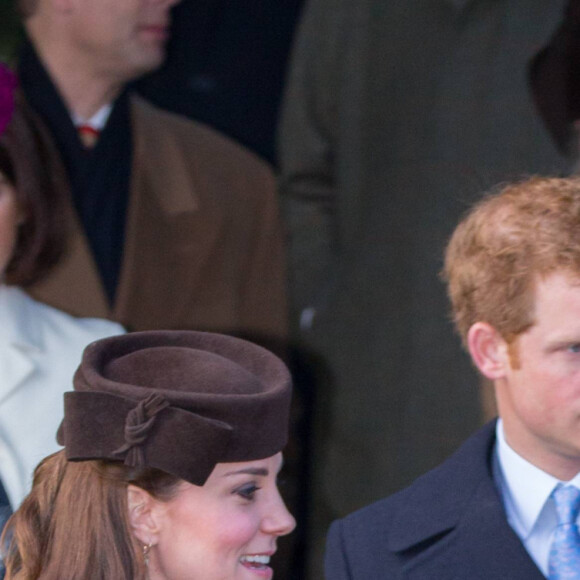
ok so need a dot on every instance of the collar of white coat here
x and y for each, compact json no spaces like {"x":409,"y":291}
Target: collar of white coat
{"x":20,"y":339}
{"x":19,"y":324}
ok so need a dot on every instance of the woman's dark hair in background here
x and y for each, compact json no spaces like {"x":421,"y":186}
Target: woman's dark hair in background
{"x":32,"y":167}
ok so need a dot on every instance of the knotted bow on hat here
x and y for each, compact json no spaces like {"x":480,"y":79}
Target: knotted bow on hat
{"x":179,"y":401}
{"x":8,"y":85}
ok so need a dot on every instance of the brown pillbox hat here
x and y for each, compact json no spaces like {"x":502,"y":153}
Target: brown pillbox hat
{"x":179,"y":401}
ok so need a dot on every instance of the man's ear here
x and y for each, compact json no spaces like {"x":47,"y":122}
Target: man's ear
{"x":488,"y":350}
{"x":144,"y":514}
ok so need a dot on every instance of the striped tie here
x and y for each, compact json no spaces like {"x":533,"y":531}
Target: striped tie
{"x":564,"y":559}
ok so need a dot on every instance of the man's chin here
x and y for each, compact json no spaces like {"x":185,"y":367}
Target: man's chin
{"x":149,"y":60}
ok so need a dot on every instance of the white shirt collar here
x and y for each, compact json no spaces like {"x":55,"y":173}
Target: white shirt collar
{"x":527,"y":487}
{"x":526,"y":493}
{"x":97,"y":121}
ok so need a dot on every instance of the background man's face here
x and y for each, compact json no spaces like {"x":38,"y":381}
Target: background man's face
{"x":540,"y":401}
{"x":122,"y":38}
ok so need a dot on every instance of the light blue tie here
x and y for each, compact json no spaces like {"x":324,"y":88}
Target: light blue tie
{"x":564,"y":560}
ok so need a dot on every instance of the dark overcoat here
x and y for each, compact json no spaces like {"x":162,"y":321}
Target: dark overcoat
{"x":449,"y":525}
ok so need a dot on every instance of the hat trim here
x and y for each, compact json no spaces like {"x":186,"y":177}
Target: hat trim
{"x":95,"y":424}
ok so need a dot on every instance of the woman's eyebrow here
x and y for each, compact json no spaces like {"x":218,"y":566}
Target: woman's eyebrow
{"x":249,"y":471}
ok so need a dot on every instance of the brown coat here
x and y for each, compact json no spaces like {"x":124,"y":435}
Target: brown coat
{"x":203,"y":248}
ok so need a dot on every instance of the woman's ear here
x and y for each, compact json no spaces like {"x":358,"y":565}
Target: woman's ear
{"x":144,"y":515}
{"x":488,"y":349}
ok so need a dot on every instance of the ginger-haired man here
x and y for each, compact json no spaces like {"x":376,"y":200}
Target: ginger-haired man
{"x":506,"y":504}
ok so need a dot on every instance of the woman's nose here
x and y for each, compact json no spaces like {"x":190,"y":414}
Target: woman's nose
{"x":278,"y":521}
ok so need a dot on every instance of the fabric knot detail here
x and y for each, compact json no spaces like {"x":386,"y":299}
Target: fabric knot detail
{"x":138,"y":424}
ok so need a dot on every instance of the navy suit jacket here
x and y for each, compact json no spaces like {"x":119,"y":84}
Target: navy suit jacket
{"x":449,"y":524}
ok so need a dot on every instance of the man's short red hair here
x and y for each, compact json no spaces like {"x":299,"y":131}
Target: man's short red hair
{"x":507,"y":241}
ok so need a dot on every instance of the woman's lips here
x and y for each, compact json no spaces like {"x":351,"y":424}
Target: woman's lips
{"x":258,"y":564}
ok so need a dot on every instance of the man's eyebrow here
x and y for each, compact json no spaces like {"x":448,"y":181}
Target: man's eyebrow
{"x":249,"y":471}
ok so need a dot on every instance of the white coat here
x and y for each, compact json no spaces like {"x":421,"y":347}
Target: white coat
{"x":40,"y":348}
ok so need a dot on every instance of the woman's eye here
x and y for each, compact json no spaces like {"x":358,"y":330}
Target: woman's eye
{"x":247,"y":492}
{"x":575,"y":348}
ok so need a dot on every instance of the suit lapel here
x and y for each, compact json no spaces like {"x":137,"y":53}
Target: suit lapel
{"x":482,"y":546}
{"x":174,"y":189}
{"x":159,"y":200}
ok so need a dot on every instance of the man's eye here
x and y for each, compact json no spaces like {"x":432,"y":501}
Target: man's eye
{"x":574,"y":348}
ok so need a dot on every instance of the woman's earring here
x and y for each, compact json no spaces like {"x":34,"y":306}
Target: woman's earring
{"x":146,"y":550}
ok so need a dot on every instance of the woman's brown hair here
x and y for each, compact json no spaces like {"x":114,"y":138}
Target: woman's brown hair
{"x":74,"y":524}
{"x":33,"y":168}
